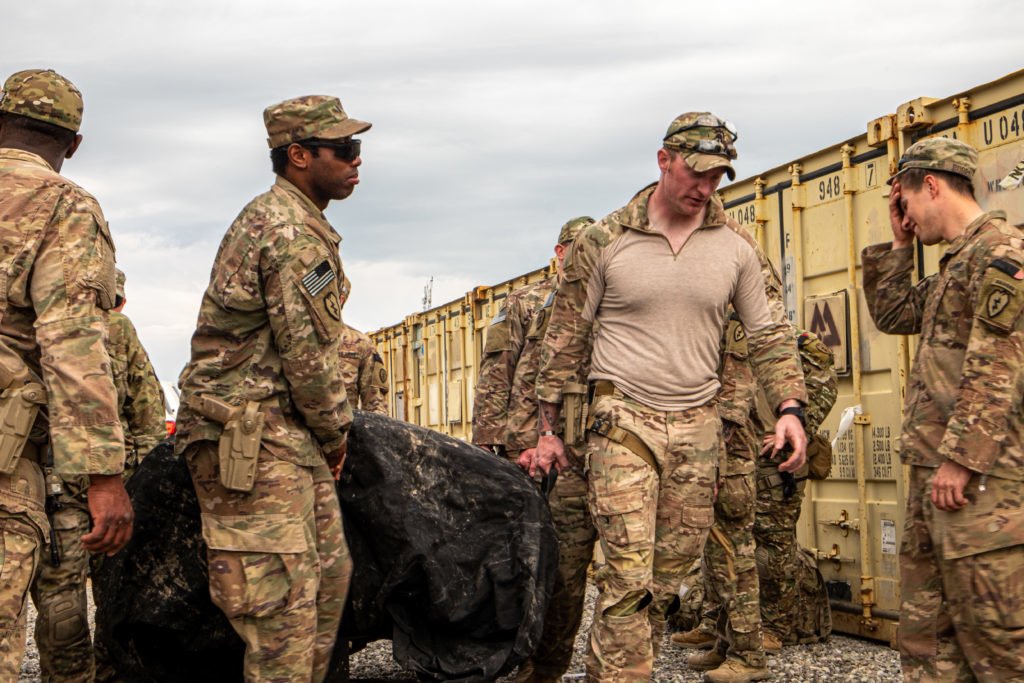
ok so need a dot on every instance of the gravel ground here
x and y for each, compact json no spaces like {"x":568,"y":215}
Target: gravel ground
{"x":840,"y":660}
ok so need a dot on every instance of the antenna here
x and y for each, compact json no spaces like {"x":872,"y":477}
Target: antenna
{"x":428,"y":293}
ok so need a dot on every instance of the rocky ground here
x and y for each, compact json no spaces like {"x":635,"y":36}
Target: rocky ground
{"x":840,"y":660}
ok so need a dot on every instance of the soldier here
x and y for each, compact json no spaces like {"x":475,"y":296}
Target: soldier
{"x":652,"y":282}
{"x":779,"y":501}
{"x":740,"y":602}
{"x":264,"y":416}
{"x":58,"y":266}
{"x":568,"y":499}
{"x":366,"y":380}
{"x":62,"y":625}
{"x":963,"y":539}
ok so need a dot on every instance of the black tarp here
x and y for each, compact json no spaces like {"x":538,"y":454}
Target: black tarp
{"x":453,"y":548}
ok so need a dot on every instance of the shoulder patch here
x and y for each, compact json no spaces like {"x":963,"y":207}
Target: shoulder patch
{"x":315,"y":280}
{"x":376,"y":357}
{"x":550,"y":301}
{"x":1002,"y":295}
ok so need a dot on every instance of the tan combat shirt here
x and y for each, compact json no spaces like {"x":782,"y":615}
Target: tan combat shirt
{"x":56,"y":284}
{"x":269,"y":330}
{"x":647,"y":313}
{"x":964,"y":393}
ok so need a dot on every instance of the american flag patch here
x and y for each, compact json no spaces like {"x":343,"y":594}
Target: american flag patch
{"x":315,"y":280}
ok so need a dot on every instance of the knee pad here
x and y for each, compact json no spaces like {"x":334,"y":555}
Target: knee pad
{"x":65,"y":621}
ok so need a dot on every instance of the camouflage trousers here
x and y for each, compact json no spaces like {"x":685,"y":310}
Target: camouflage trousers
{"x":23,"y":527}
{"x":731,"y":612}
{"x":576,"y":536}
{"x":62,"y":624}
{"x":775,"y":538}
{"x":962,"y":581}
{"x":278,"y":562}
{"x":651,"y":524}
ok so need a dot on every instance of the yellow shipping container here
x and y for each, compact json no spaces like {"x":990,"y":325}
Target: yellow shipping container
{"x":813,"y":217}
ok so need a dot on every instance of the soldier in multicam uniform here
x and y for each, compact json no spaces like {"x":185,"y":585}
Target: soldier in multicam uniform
{"x":568,"y":499}
{"x":58,"y":265}
{"x":755,"y":602}
{"x":654,"y":435}
{"x":963,"y":539}
{"x":778,"y":505}
{"x":362,"y":368}
{"x":62,"y":626}
{"x":264,"y":416}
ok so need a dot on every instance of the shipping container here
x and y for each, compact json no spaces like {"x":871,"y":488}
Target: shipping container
{"x":812,"y":216}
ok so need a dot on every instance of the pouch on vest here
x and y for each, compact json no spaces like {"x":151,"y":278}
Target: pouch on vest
{"x":19,"y":405}
{"x":819,"y":457}
{"x":574,"y":410}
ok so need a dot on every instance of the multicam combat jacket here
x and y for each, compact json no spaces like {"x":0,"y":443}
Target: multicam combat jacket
{"x":503,"y":347}
{"x":964,"y":393}
{"x":140,"y":399}
{"x":57,"y":282}
{"x":366,"y":380}
{"x":772,"y":349}
{"x":269,"y":330}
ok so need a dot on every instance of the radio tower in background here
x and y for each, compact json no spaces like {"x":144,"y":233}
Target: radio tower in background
{"x":428,"y":293}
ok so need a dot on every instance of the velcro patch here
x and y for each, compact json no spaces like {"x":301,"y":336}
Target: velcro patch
{"x":1002,"y":295}
{"x":315,"y":280}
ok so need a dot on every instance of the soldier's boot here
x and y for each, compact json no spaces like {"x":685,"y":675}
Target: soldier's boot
{"x":736,"y":671}
{"x":770,"y":642}
{"x":695,"y":639}
{"x":705,"y":661}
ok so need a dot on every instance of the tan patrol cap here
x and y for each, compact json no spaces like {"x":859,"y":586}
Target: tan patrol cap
{"x":572,"y":228}
{"x":939,"y":154}
{"x":43,"y":95}
{"x":705,"y":140}
{"x":313,"y":116}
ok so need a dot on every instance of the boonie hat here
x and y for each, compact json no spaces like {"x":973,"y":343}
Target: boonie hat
{"x":706,"y":141}
{"x":572,"y":228}
{"x":313,"y":116}
{"x":939,"y":154}
{"x":43,"y":95}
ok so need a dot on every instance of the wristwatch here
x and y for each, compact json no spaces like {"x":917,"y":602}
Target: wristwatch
{"x":795,"y":410}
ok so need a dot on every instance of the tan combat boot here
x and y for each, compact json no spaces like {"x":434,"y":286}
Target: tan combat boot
{"x":770,"y":642}
{"x":705,"y":661}
{"x":694,"y":639}
{"x":735,"y":671}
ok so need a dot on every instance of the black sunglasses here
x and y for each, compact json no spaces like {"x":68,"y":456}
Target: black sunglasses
{"x":347,"y":151}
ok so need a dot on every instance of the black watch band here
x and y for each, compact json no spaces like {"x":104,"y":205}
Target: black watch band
{"x":795,"y":410}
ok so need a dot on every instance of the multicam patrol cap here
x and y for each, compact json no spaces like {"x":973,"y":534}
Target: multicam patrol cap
{"x":313,"y":116}
{"x":44,"y":95}
{"x":572,"y":228}
{"x":939,"y":154}
{"x":705,"y":139}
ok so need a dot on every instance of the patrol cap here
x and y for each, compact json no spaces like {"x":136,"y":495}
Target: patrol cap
{"x":43,"y":95}
{"x":939,"y":154}
{"x":572,"y":228}
{"x":313,"y":116}
{"x":120,"y":282}
{"x":705,"y":140}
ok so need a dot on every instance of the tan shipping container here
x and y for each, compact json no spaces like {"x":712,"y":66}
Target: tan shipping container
{"x":812,"y":216}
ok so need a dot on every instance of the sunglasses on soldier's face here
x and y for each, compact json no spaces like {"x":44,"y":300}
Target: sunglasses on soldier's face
{"x":347,"y":151}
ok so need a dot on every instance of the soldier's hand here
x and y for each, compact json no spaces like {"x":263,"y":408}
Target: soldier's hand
{"x":768,"y":444}
{"x":550,"y":451}
{"x":902,"y":229}
{"x":526,"y":457}
{"x":336,"y":460}
{"x":948,"y":486}
{"x":111,"y":513}
{"x":789,"y":430}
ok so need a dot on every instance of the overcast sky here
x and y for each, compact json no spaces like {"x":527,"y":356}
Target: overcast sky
{"x":493,"y":121}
